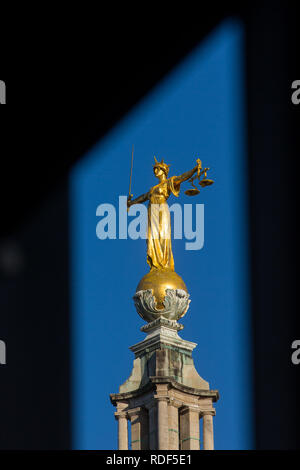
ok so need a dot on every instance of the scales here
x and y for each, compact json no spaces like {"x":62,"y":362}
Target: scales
{"x":203,"y":183}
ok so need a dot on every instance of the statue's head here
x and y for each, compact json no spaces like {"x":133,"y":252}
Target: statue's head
{"x":159,"y":167}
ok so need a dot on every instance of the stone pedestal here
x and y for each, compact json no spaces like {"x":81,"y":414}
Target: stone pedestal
{"x":164,"y":398}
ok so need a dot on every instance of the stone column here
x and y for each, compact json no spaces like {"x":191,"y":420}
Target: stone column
{"x":121,"y":416}
{"x":152,"y":413}
{"x":162,"y":416}
{"x":139,"y":428}
{"x":189,"y":428}
{"x":163,"y":423}
{"x":208,"y":432}
{"x":173,"y":425}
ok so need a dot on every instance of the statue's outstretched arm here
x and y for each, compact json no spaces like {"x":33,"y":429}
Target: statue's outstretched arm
{"x":138,"y":200}
{"x":188,"y":174}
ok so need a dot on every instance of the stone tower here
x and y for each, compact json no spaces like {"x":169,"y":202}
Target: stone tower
{"x":166,"y":401}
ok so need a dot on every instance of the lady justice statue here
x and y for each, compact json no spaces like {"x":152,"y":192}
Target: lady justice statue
{"x":162,"y":281}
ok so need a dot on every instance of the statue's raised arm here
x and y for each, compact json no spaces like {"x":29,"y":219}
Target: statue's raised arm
{"x":188,"y":174}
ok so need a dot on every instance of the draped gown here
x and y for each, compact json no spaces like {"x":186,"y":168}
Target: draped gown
{"x":159,"y":246}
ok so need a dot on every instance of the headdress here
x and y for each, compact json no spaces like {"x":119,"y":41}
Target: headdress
{"x":162,"y":165}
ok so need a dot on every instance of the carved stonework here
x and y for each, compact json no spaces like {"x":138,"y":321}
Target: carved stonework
{"x":176,"y":304}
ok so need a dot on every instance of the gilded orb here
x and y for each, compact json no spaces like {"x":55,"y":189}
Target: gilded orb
{"x":159,"y":280}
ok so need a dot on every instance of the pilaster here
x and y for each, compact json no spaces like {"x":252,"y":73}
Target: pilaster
{"x":189,"y":428}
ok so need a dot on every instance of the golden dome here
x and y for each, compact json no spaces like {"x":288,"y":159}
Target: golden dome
{"x":159,"y":280}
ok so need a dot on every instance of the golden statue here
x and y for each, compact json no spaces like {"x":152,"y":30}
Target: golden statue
{"x":159,"y":247}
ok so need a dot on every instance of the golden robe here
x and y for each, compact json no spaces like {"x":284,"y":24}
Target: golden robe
{"x":159,"y":246}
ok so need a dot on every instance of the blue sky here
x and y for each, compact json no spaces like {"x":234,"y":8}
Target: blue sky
{"x":196,"y":111}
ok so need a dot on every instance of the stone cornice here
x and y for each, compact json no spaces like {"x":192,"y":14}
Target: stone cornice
{"x":162,"y":338}
{"x":161,"y":321}
{"x":214,"y":394}
{"x":115,"y":397}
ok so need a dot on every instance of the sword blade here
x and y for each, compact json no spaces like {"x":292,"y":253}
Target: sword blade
{"x":131,"y":171}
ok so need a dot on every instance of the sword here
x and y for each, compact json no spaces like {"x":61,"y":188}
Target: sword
{"x":129,"y":192}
